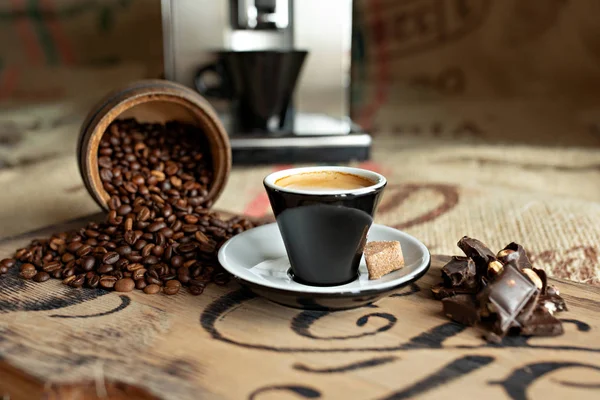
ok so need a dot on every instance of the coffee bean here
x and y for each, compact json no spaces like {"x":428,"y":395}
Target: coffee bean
{"x":157,"y":199}
{"x":105,"y":269}
{"x":128,"y":224}
{"x":140,"y":284}
{"x":196,"y":290}
{"x":110,"y":258}
{"x":147,"y":250}
{"x":78,"y":282}
{"x":176,"y":261}
{"x":158,"y":251}
{"x":99,"y":251}
{"x":84,"y":250}
{"x":134,"y":257}
{"x":166,"y":232}
{"x":74,"y":246}
{"x":106,"y":174}
{"x":90,"y":233}
{"x":28,"y":271}
{"x":190,"y":228}
{"x":52,"y":266}
{"x":172,"y":287}
{"x":151,"y":280}
{"x":221,"y":278}
{"x":160,"y":176}
{"x":168,"y":253}
{"x":123,"y":251}
{"x":171,"y":169}
{"x":138,"y":274}
{"x":114,"y":203}
{"x":8,"y":262}
{"x":150,"y":260}
{"x":156,"y":226}
{"x":122,"y":263}
{"x":124,"y":285}
{"x":186,"y":248}
{"x":207,"y":247}
{"x":93,"y":281}
{"x":26,"y":267}
{"x":130,"y":187}
{"x":152,"y":289}
{"x":143,"y":214}
{"x":88,"y":263}
{"x":218,"y":223}
{"x":41,"y":276}
{"x":161,"y":240}
{"x":68,"y":271}
{"x":105,"y":162}
{"x":68,"y":279}
{"x":134,"y":267}
{"x":201,"y":237}
{"x":107,"y":282}
{"x":147,"y":236}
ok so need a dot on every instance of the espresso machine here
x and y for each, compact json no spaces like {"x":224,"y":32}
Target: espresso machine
{"x":204,"y":38}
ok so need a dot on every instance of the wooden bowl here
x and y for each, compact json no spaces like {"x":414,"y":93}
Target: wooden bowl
{"x":152,"y":101}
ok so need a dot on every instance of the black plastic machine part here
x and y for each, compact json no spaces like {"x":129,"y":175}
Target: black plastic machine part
{"x":293,"y":155}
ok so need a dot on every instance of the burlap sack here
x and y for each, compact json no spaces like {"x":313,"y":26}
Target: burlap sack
{"x":428,"y":50}
{"x":80,"y":32}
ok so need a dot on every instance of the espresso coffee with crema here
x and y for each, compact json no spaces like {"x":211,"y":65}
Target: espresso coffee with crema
{"x":324,"y":181}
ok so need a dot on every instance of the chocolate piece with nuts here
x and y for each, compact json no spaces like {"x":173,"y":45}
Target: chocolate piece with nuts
{"x":478,"y":252}
{"x":542,"y":323}
{"x":514,"y":252}
{"x":553,"y":301}
{"x":510,"y":295}
{"x":507,"y":296}
{"x":441,"y":292}
{"x":462,"y":308}
{"x":460,"y":272}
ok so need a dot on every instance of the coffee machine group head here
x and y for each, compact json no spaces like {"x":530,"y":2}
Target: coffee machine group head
{"x":276,"y":71}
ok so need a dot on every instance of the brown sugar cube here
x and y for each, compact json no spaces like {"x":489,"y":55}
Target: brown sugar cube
{"x":383,"y":258}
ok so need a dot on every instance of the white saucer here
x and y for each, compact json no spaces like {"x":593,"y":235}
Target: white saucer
{"x":257,"y":258}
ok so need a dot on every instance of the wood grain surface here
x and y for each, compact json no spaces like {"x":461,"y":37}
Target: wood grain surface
{"x":64,"y":343}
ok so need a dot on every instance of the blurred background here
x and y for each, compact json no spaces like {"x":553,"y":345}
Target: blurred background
{"x":500,"y":98}
{"x":531,"y":68}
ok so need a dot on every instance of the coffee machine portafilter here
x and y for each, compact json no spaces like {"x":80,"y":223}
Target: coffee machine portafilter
{"x":244,"y":56}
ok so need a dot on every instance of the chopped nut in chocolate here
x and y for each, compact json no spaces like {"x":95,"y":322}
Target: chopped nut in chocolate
{"x":501,"y":293}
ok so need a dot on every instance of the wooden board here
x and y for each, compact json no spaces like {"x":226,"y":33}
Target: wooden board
{"x":228,"y":344}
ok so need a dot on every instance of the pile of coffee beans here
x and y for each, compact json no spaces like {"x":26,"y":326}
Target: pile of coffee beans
{"x":158,"y":234}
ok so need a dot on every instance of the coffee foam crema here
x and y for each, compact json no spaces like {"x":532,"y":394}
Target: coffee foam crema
{"x":323,"y":181}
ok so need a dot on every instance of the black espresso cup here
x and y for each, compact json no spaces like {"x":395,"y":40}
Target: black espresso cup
{"x":324,"y":215}
{"x":260,"y":83}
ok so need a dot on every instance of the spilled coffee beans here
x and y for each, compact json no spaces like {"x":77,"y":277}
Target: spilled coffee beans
{"x":158,"y":233}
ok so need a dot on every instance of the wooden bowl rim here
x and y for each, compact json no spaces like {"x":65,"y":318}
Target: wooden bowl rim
{"x":121,"y":100}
